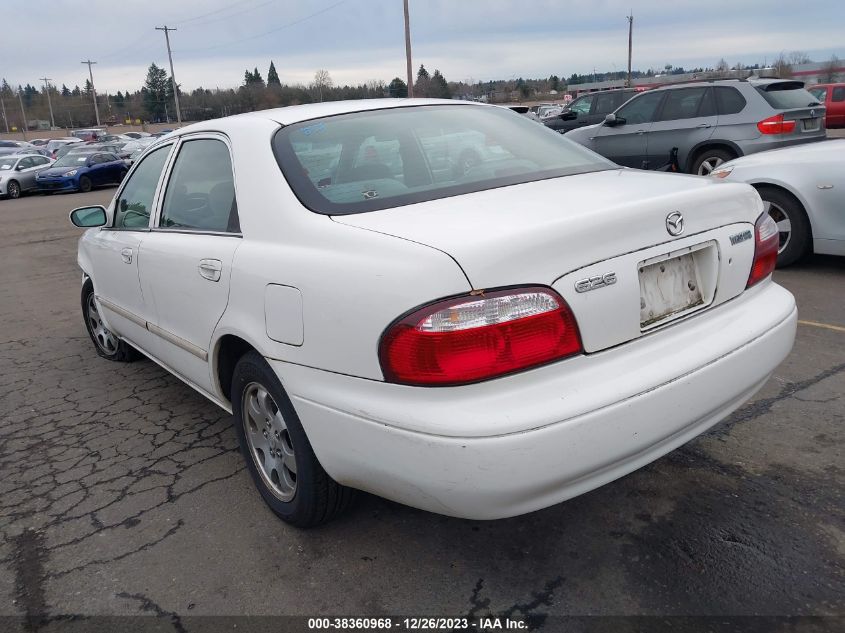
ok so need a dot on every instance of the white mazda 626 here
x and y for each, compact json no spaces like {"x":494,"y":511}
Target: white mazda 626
{"x":441,"y":303}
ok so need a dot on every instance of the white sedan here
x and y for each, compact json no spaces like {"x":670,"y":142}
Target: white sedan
{"x":477,"y":341}
{"x":803,"y":189}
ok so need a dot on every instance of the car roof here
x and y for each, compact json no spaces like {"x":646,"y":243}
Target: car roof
{"x":295,"y":114}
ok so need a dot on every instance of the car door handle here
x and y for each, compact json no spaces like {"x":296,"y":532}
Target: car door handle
{"x":210,"y":269}
{"x":126,"y":255}
{"x":703,"y":125}
{"x":640,"y":132}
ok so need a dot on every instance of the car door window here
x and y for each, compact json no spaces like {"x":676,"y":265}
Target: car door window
{"x":682,"y":103}
{"x":135,"y":202}
{"x":605,"y":103}
{"x":582,"y":105}
{"x":41,"y":160}
{"x":642,"y":109}
{"x":24,"y":163}
{"x":201,"y":192}
{"x":838,"y":94}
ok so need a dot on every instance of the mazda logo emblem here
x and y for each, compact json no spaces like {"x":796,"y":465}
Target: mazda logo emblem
{"x":675,"y":223}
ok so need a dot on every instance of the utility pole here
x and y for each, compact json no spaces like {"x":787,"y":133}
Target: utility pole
{"x":630,"y":41}
{"x":5,"y":120}
{"x":93,"y":90}
{"x":23,"y":113}
{"x":408,"y":51}
{"x":167,"y":30}
{"x":46,"y":81}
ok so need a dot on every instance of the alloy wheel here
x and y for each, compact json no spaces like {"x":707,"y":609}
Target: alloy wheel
{"x":782,"y":220}
{"x":104,"y":339}
{"x":709,"y":165}
{"x":269,"y":441}
{"x":14,"y":190}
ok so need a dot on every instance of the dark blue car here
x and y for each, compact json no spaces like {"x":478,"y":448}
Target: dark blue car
{"x":82,"y":172}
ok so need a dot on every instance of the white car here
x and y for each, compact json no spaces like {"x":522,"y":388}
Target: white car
{"x":803,"y":189}
{"x":537,"y":326}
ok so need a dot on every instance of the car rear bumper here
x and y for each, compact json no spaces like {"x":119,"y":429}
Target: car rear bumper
{"x":524,"y":442}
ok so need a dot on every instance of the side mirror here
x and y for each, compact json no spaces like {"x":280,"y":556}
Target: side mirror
{"x":87,"y":217}
{"x":569,"y":115}
{"x":612,"y":120}
{"x":19,"y":168}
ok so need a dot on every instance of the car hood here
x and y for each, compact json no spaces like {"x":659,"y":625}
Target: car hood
{"x":831,"y":149}
{"x":536,"y":232}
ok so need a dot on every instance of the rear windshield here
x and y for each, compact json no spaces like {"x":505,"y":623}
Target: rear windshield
{"x":365,"y":161}
{"x":787,"y":95}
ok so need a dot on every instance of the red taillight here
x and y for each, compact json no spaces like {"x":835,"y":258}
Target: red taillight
{"x":766,"y":241}
{"x":775,"y":125}
{"x":473,"y":338}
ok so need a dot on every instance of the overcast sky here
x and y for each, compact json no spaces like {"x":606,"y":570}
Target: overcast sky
{"x":359,"y":40}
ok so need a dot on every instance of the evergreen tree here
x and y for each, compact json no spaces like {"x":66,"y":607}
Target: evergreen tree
{"x":76,"y":91}
{"x":273,"y":76}
{"x":88,"y":87}
{"x":155,"y":92}
{"x":439,"y":89}
{"x":257,"y":79}
{"x":422,"y":86}
{"x":397,"y":88}
{"x":65,"y":91}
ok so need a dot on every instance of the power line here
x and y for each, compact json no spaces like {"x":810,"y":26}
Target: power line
{"x":167,"y":30}
{"x":278,"y":28}
{"x":230,"y":15}
{"x":216,"y":11}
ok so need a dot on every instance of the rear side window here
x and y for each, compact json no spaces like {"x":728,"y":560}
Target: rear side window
{"x":838,"y":94}
{"x":786,"y":95}
{"x":729,"y":100}
{"x":201,"y":191}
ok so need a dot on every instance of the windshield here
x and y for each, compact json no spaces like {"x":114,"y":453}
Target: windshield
{"x":7,"y":163}
{"x":72,"y":160}
{"x":365,"y":161}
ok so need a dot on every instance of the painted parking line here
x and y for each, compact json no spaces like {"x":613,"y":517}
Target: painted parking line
{"x":826,"y":326}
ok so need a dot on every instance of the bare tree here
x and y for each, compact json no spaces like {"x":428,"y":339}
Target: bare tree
{"x":722,"y":67}
{"x":782,"y":67}
{"x":796,"y":58}
{"x":322,"y":80}
{"x":829,"y":72}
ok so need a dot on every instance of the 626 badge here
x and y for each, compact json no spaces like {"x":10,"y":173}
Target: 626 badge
{"x":599,"y":281}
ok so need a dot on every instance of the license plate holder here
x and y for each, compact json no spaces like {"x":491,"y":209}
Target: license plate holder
{"x":669,"y":289}
{"x":811,"y":125}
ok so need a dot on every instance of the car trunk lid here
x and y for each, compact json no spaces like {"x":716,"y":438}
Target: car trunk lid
{"x":562,"y":231}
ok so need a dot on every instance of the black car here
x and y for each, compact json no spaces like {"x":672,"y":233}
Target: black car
{"x":588,"y":109}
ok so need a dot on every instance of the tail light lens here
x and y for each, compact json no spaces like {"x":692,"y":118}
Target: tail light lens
{"x":775,"y":125}
{"x":473,"y":338}
{"x":766,"y":241}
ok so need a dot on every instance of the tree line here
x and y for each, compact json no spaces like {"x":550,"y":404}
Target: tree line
{"x":154,"y":101}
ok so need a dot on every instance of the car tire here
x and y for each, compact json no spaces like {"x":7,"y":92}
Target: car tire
{"x":13,"y":190}
{"x":107,"y":344}
{"x":266,"y":422}
{"x":795,"y":234}
{"x":85,"y":184}
{"x":710,"y":159}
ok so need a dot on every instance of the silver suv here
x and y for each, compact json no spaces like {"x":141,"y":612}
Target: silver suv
{"x":706,"y":124}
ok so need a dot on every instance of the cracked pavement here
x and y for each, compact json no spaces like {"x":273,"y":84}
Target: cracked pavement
{"x":122,"y":493}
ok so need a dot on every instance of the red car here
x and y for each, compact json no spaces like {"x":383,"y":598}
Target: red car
{"x":832,"y":97}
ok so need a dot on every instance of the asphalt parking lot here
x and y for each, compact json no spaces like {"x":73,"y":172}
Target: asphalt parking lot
{"x":122,"y":492}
